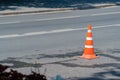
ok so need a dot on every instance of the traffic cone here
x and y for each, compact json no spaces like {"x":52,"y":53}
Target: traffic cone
{"x":89,"y":49}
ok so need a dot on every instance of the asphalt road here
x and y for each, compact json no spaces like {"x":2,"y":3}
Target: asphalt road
{"x":26,"y":34}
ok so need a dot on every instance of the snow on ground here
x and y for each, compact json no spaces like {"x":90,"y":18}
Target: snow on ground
{"x":21,"y":10}
{"x":68,"y":64}
{"x":103,"y":4}
{"x":25,"y":9}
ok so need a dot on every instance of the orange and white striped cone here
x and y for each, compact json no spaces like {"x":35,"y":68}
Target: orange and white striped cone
{"x":89,"y":49}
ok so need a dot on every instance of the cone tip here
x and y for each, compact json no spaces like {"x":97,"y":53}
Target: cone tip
{"x":89,"y":26}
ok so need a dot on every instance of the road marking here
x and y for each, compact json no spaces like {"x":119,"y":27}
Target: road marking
{"x":69,"y":17}
{"x":108,"y":13}
{"x":10,"y":36}
{"x":60,"y":18}
{"x":52,"y":31}
{"x":10,"y":22}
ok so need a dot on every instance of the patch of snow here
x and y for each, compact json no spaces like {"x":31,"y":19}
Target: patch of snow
{"x":7,"y":64}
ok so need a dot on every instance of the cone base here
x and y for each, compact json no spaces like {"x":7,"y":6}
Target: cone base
{"x":89,"y":56}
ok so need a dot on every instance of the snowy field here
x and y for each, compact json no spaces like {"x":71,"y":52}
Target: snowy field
{"x":68,"y":64}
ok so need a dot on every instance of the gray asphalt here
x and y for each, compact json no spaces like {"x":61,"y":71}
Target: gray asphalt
{"x":104,"y":37}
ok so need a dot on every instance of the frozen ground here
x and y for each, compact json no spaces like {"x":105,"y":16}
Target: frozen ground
{"x":68,"y":64}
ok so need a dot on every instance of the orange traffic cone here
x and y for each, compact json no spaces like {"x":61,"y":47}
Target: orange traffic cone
{"x":89,"y":49}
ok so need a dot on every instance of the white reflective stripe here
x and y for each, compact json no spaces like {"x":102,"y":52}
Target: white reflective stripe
{"x":89,"y":30}
{"x":88,"y":46}
{"x":89,"y":38}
